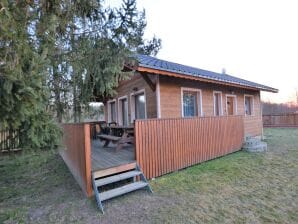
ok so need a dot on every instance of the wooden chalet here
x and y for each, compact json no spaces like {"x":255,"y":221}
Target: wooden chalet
{"x":181,"y":116}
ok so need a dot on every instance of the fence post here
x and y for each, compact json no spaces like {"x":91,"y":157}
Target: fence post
{"x":87,"y":149}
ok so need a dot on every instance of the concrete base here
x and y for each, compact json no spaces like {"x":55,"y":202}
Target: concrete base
{"x":254,"y":145}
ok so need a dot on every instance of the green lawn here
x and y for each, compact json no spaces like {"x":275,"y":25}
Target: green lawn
{"x":238,"y":188}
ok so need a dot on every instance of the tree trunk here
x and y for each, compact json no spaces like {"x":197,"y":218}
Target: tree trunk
{"x":74,"y":104}
{"x":57,"y":92}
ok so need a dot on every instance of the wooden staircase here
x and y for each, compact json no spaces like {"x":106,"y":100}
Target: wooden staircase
{"x":105,"y":177}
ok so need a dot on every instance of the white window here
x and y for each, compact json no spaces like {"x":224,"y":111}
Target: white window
{"x":217,"y":103}
{"x":112,"y":114}
{"x":138,"y":105}
{"x":123,"y":110}
{"x":231,"y":104}
{"x":191,"y":102}
{"x":248,"y":104}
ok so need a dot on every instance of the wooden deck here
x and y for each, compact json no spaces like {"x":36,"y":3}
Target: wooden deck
{"x":106,"y":157}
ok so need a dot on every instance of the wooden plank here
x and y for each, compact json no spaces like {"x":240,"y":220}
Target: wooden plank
{"x":283,"y":120}
{"x":77,"y":154}
{"x":87,"y":139}
{"x":109,"y":137}
{"x":160,"y":139}
{"x":116,"y":178}
{"x":113,"y":170}
{"x":122,"y":190}
{"x":168,"y":146}
{"x":148,"y":81}
{"x":103,"y":158}
{"x":9,"y":140}
{"x":150,"y":148}
{"x":178,"y":143}
{"x":155,"y":154}
{"x":146,"y":145}
{"x":137,"y":143}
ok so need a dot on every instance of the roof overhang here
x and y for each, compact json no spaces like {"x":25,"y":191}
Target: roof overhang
{"x":147,"y":69}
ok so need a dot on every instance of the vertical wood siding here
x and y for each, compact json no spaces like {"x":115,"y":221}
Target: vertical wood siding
{"x":77,"y":154}
{"x":283,"y":120}
{"x":126,"y":88}
{"x":9,"y":140}
{"x":167,"y":145}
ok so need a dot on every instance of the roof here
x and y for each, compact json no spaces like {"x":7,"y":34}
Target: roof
{"x":163,"y":65}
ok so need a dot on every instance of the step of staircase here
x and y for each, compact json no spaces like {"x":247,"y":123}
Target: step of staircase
{"x":113,"y":175}
{"x":116,"y":178}
{"x":122,"y":190}
{"x":114,"y":170}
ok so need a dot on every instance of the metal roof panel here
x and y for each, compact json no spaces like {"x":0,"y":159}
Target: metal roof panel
{"x":155,"y":63}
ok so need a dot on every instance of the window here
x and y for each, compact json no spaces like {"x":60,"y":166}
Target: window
{"x":123,"y":110}
{"x":140,"y":106}
{"x":248,"y":104}
{"x":217,"y":99}
{"x":231,"y":104}
{"x":191,"y":102}
{"x":112,"y":111}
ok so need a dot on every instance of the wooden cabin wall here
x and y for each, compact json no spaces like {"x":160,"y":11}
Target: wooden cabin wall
{"x":127,"y":87}
{"x":170,"y":101}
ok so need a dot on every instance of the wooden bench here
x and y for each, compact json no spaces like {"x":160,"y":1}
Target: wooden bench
{"x":119,"y":140}
{"x":109,"y":138}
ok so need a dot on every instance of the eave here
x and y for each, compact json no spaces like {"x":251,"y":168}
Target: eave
{"x":150,"y":70}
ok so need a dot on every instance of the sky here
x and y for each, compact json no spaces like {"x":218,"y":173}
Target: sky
{"x":252,"y":39}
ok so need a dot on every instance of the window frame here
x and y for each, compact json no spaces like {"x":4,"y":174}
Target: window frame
{"x":120,"y":112}
{"x":199,"y":101}
{"x":252,"y":105}
{"x":236,"y":104}
{"x":132,"y":104}
{"x":109,"y":102}
{"x":221,"y":104}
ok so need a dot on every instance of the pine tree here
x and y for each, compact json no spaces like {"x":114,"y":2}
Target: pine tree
{"x":23,"y":94}
{"x":61,"y":53}
{"x":120,"y":38}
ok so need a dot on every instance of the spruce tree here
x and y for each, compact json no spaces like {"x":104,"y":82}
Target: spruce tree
{"x":23,"y":94}
{"x":62,"y":53}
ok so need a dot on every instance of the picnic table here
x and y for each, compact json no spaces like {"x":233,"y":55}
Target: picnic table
{"x":126,"y":138}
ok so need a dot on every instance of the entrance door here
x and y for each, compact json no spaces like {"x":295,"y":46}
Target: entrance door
{"x":124,"y":112}
{"x":231,"y":105}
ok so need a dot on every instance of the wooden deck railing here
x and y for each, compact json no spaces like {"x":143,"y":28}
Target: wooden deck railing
{"x":77,"y":153}
{"x":166,"y":145}
{"x":282,"y":120}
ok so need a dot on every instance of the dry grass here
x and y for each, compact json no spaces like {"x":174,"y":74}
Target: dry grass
{"x":238,"y":188}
